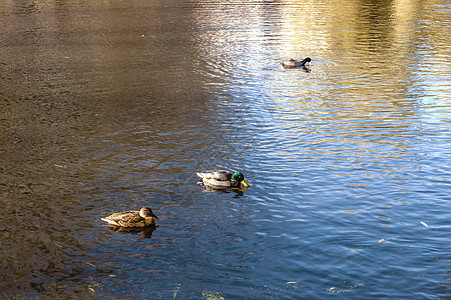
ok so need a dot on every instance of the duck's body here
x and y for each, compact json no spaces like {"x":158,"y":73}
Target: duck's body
{"x":293,"y":63}
{"x":132,"y":218}
{"x":222,"y":178}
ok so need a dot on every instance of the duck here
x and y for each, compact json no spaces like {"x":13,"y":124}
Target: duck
{"x":222,"y":178}
{"x":293,"y":63}
{"x":132,"y":218}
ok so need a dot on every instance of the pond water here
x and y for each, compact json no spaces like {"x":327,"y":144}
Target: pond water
{"x":113,"y":105}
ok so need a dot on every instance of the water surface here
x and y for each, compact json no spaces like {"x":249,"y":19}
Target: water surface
{"x":107,"y":106}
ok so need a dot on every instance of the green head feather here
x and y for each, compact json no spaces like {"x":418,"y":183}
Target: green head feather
{"x":238,"y":176}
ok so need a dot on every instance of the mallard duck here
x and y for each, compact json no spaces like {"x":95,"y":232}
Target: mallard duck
{"x":132,"y":218}
{"x":293,"y":63}
{"x":222,"y":178}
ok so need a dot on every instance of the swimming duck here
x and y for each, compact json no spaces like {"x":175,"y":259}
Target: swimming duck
{"x":222,"y":178}
{"x":132,"y":218}
{"x":293,"y":63}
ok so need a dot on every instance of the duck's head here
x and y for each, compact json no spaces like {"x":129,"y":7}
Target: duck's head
{"x":239,"y":177}
{"x":146,"y":212}
{"x":306,"y":60}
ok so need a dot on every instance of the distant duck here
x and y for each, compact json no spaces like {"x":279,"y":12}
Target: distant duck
{"x":132,"y":218}
{"x":222,"y":178}
{"x":293,"y":63}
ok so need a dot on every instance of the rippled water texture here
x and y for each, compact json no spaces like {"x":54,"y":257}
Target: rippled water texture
{"x":113,"y":105}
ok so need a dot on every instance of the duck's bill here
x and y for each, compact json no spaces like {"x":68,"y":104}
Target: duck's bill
{"x":244,"y":183}
{"x":156,"y":217}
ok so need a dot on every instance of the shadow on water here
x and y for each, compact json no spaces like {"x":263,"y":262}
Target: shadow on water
{"x":221,"y":190}
{"x":145,"y":232}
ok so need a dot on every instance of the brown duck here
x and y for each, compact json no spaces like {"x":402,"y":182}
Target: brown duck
{"x":132,"y":218}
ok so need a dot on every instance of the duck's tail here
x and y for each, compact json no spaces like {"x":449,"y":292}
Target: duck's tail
{"x":109,"y":221}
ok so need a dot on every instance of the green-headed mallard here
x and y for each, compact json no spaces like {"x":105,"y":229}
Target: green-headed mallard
{"x":222,"y":178}
{"x":293,"y":63}
{"x":132,"y":218}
